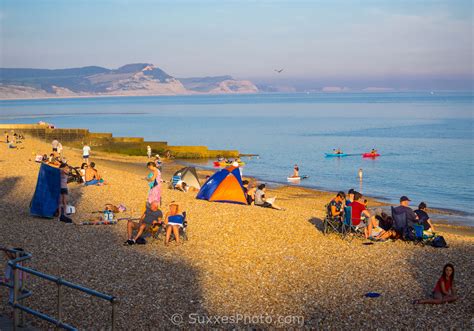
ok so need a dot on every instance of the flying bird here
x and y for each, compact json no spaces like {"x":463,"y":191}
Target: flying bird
{"x":279,"y":71}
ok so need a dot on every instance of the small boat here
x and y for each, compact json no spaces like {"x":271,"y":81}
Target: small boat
{"x":226,"y":164}
{"x":370,"y":155}
{"x":336,"y":154}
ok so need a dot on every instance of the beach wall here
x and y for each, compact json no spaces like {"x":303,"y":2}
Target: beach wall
{"x":103,"y":141}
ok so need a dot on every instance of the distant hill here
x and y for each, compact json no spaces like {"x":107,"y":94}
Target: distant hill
{"x":131,"y":79}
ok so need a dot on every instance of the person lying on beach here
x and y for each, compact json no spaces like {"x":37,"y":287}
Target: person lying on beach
{"x":174,"y":221}
{"x":444,"y":291}
{"x":261,"y":201}
{"x":424,"y":218}
{"x":152,"y":217}
{"x":92,"y":176}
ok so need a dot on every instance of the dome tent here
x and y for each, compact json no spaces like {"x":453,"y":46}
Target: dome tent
{"x":189,"y":176}
{"x":224,"y":186}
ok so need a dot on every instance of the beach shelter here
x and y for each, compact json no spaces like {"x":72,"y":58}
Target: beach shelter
{"x":45,"y":200}
{"x":224,"y":186}
{"x":189,"y":176}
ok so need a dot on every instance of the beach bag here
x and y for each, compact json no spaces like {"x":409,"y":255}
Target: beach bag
{"x":439,"y":242}
{"x":140,"y":241}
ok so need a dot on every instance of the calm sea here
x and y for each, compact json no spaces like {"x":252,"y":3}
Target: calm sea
{"x":426,"y":139}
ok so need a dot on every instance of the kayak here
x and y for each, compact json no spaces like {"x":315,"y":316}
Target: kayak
{"x":225,"y":164}
{"x":335,"y":155}
{"x":370,"y":155}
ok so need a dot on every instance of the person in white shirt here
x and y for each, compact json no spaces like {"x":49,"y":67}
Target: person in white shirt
{"x":86,"y":151}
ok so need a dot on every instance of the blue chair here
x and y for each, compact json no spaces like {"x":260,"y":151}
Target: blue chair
{"x":348,"y":226}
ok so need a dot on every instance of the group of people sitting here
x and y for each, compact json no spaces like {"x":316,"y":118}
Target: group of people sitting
{"x":13,"y":138}
{"x":256,"y":194}
{"x":90,"y":175}
{"x":152,"y":220}
{"x":377,"y":224}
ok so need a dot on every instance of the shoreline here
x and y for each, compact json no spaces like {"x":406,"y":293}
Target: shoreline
{"x":137,"y":165}
{"x":438,"y":214}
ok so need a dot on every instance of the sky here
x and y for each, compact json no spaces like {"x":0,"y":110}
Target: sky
{"x":345,"y":43}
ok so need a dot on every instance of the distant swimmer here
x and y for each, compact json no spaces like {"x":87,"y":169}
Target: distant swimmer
{"x":279,"y":70}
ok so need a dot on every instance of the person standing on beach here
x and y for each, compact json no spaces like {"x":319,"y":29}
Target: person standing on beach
{"x":154,"y":183}
{"x":54,"y":144}
{"x":64,"y":172}
{"x":148,"y":151}
{"x":86,"y":150}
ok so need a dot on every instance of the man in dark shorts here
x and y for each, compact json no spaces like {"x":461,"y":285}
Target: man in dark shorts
{"x":151,"y":217}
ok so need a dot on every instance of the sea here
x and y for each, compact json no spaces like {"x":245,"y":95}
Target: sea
{"x":425,"y":138}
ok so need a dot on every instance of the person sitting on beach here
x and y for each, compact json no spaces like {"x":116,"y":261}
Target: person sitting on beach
{"x":335,"y":206}
{"x":404,"y":218}
{"x":82,"y":171}
{"x":350,"y":196}
{"x":92,"y":176}
{"x":444,"y":291}
{"x":249,"y":192}
{"x":261,"y":201}
{"x":174,"y":221}
{"x":53,"y":160}
{"x":424,"y":218}
{"x":152,"y":217}
{"x":360,"y":214}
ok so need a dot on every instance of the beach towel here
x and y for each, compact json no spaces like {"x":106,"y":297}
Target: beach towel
{"x":45,"y":200}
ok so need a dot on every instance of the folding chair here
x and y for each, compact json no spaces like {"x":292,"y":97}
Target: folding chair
{"x":348,"y":226}
{"x":332,"y":224}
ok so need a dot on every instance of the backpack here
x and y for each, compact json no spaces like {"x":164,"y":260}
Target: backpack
{"x":141,"y":241}
{"x":439,"y":242}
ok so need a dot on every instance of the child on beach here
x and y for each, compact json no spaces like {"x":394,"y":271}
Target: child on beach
{"x":444,"y":289}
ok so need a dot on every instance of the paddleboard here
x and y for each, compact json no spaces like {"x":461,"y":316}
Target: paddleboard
{"x":296,"y":179}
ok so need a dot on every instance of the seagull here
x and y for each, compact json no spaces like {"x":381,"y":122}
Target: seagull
{"x":279,"y":71}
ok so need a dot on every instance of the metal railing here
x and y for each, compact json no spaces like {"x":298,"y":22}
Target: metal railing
{"x":20,"y":293}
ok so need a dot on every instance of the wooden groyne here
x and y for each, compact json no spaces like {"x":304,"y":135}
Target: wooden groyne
{"x":108,"y":143}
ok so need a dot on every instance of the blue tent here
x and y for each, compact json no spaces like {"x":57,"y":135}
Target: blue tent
{"x":224,"y":186}
{"x":45,"y":201}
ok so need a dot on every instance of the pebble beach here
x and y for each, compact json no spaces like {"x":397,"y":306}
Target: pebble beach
{"x":243,"y":266}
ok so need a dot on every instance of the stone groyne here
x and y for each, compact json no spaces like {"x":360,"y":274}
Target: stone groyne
{"x":108,"y":143}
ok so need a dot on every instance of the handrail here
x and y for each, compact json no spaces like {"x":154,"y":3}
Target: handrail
{"x":19,"y":293}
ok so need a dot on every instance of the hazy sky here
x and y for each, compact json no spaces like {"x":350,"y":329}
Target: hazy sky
{"x":336,"y":41}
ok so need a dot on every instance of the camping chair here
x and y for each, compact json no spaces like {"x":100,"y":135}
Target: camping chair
{"x":348,"y":227}
{"x":183,"y":230}
{"x":332,"y":224}
{"x":400,"y":225}
{"x":174,"y":181}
